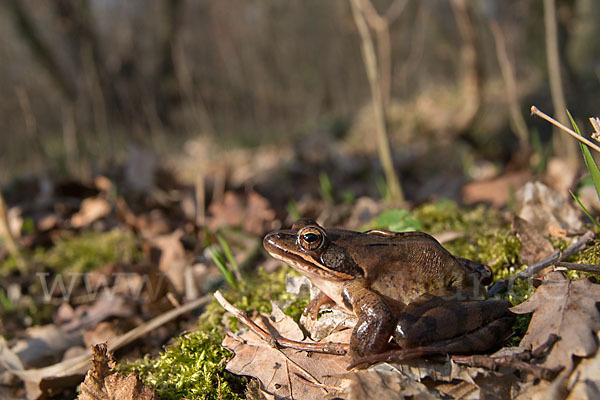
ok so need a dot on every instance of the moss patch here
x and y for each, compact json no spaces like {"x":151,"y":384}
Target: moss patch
{"x":194,"y":365}
{"x":82,"y":253}
{"x":488,"y":238}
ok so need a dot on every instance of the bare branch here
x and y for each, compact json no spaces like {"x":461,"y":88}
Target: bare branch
{"x":370,"y":61}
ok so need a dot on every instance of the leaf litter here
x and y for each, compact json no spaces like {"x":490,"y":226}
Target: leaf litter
{"x":158,"y":211}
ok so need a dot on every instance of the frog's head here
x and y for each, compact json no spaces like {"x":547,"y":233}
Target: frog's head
{"x":314,"y":252}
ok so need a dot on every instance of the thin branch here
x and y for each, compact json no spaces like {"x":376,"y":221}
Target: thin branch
{"x":472,"y":70}
{"x":556,"y":88}
{"x":517,"y":121}
{"x":370,"y":61}
{"x":590,"y":268}
{"x":517,"y":361}
{"x":328,"y":348}
{"x":9,"y":240}
{"x":504,"y":284}
{"x":535,"y":111}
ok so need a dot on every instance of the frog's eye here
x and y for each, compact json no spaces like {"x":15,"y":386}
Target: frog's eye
{"x":311,"y":238}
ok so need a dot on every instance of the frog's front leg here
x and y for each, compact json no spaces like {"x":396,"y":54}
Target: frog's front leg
{"x":376,"y":321}
{"x":312,"y":308}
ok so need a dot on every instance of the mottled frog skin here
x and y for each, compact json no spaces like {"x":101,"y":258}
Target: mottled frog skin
{"x":404,"y":286}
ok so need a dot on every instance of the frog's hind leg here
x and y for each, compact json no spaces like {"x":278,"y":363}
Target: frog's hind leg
{"x":446,"y":321}
{"x":477,"y":341}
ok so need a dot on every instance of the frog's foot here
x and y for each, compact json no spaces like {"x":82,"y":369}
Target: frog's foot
{"x":478,"y":341}
{"x":315,"y":304}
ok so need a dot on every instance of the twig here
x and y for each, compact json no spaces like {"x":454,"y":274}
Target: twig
{"x":272,"y":337}
{"x":595,"y":121}
{"x":562,"y":147}
{"x":79,"y":364}
{"x":515,"y":361}
{"x":370,"y":61}
{"x":278,"y":341}
{"x":9,"y":240}
{"x":516,"y":118}
{"x":535,"y":111}
{"x":581,"y":244}
{"x":591,"y":268}
{"x":557,"y":256}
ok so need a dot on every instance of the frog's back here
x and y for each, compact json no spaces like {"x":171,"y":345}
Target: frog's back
{"x":407,"y":265}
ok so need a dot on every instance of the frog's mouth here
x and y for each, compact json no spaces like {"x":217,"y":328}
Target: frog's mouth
{"x":303,"y":263}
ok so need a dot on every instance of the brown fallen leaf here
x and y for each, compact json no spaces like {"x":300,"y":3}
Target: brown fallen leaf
{"x":252,"y":212}
{"x":568,"y":309}
{"x":92,"y":209}
{"x":102,"y":383}
{"x":106,"y":305}
{"x":44,"y":382}
{"x":172,"y":259}
{"x":534,"y":246}
{"x":286,"y":373}
{"x":586,"y":379}
{"x":45,"y":345}
{"x":386,"y":385}
{"x":545,"y":208}
{"x":496,"y":190}
{"x":259,"y":214}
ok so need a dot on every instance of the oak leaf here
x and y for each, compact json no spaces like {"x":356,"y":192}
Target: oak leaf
{"x":568,"y":309}
{"x":286,"y":373}
{"x":102,"y":383}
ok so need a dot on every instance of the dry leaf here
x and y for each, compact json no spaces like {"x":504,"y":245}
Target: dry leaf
{"x":101,"y":383}
{"x":543,"y":207}
{"x":587,"y":379}
{"x":385,"y":385}
{"x":534,"y":246}
{"x":45,"y":345}
{"x":107,"y":305}
{"x":258,"y":214}
{"x":92,"y":209}
{"x":286,"y":373}
{"x":253,"y":212}
{"x":496,"y":190}
{"x":447,"y":371}
{"x":568,"y":309}
{"x":172,"y":260}
{"x":230,"y":212}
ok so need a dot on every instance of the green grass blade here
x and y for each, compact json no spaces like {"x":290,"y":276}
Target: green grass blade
{"x":228,"y":254}
{"x":585,"y":210}
{"x":219,"y":260}
{"x":589,"y":160}
{"x":326,"y":188}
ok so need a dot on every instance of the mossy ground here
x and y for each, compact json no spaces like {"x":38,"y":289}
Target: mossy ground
{"x":83,"y":252}
{"x":193,"y":366}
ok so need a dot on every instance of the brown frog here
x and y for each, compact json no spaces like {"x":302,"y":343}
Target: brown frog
{"x":404,"y":286}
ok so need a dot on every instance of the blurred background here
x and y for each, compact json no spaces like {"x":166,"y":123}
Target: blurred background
{"x":84,"y":83}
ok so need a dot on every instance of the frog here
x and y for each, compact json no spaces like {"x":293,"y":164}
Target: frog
{"x":412,"y":297}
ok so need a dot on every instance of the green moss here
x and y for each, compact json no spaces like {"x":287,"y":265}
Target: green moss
{"x":591,"y":255}
{"x":90,"y":250}
{"x":194,"y":365}
{"x":82,"y":253}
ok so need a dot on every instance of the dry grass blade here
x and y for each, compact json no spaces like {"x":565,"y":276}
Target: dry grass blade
{"x":535,"y":111}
